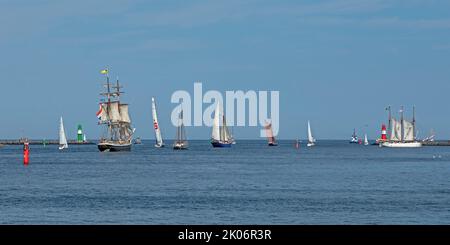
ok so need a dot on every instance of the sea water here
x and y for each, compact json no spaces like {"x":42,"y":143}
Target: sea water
{"x":251,"y":183}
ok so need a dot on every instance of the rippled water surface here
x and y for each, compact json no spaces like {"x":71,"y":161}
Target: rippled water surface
{"x":251,"y":183}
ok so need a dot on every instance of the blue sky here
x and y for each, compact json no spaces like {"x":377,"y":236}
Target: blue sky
{"x":337,"y":63}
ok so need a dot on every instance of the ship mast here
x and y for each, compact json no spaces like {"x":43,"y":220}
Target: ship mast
{"x":402,"y":134}
{"x":390,"y":122}
{"x":414,"y":122}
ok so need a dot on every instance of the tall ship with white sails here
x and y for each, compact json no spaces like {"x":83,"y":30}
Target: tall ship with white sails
{"x":114,"y":117}
{"x":221,"y":136}
{"x":159,"y":141}
{"x":311,"y":140}
{"x":62,"y":136}
{"x":402,"y":133}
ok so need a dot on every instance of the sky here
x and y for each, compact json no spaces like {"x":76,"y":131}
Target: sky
{"x":337,"y":63}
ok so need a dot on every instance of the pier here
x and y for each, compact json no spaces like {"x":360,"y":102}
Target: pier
{"x":436,"y":143}
{"x":42,"y":142}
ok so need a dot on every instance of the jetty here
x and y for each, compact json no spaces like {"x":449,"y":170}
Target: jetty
{"x":436,"y":143}
{"x":43,"y":142}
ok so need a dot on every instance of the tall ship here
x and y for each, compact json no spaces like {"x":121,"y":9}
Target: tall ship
{"x":221,"y":136}
{"x":114,"y":118}
{"x":159,"y":141}
{"x":311,"y":140}
{"x":354,"y":139}
{"x":181,"y":139}
{"x":402,"y":133}
{"x":270,"y":137}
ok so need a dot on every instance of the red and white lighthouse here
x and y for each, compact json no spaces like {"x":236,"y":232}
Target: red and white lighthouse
{"x":383,"y":133}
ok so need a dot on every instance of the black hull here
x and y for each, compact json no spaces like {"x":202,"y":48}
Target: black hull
{"x":217,"y":144}
{"x":179,"y":148}
{"x":114,"y":147}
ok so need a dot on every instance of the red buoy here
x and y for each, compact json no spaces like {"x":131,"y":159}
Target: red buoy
{"x":26,"y":153}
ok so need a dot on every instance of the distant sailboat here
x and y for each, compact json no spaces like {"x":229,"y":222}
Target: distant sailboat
{"x":269,"y":133}
{"x":221,"y":136}
{"x":366,"y":141}
{"x":354,"y":139}
{"x":84,"y":138}
{"x":180,"y":141}
{"x":62,"y":136}
{"x":311,"y":140}
{"x":159,"y":141}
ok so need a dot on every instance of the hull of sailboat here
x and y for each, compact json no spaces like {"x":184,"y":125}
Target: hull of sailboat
{"x":180,"y":146}
{"x":354,"y":142}
{"x":113,"y":147}
{"x":159,"y":145}
{"x":401,"y":144}
{"x":273,"y":144}
{"x":219,"y":144}
{"x":310,"y":144}
{"x":62,"y":147}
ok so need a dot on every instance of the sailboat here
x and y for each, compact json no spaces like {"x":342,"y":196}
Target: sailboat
{"x":402,"y":133}
{"x":180,"y":141}
{"x":311,"y":140}
{"x":114,"y":116}
{"x":354,"y":139}
{"x":62,"y":136}
{"x":159,"y":141}
{"x":366,"y":141}
{"x":269,"y":133}
{"x":221,"y":136}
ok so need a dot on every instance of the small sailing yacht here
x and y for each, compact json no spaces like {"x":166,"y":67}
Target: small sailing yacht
{"x":159,"y":141}
{"x":366,"y":141}
{"x":221,"y":136}
{"x":354,"y":139}
{"x":62,"y":136}
{"x":180,"y":141}
{"x":311,"y":140}
{"x":269,"y":133}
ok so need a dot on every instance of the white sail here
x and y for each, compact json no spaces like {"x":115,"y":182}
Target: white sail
{"x":114,"y":113}
{"x":84,"y":138}
{"x":396,"y":129}
{"x":226,"y":132}
{"x":103,"y":113}
{"x":124,"y":115}
{"x":366,"y":141}
{"x":310,"y":137}
{"x":159,"y":140}
{"x":408,"y":131}
{"x":216,"y":124}
{"x":62,"y":136}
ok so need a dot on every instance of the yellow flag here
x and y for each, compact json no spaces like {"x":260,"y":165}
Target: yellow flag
{"x":105,"y":71}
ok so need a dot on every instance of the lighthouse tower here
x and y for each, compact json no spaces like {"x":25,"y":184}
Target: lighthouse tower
{"x":383,"y":133}
{"x":80,"y":134}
